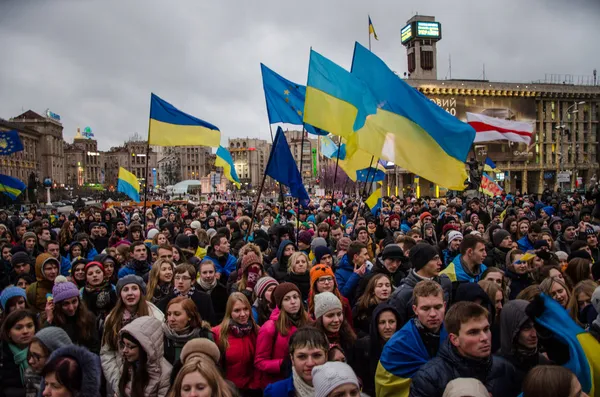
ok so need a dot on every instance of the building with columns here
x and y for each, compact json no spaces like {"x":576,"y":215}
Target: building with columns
{"x":21,"y":164}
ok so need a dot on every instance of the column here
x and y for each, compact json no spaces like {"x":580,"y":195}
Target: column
{"x":524,"y":182}
{"x":541,"y":182}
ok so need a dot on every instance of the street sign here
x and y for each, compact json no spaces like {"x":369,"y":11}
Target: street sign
{"x":563,"y":176}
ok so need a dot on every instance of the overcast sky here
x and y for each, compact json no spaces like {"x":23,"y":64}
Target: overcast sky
{"x":95,"y":62}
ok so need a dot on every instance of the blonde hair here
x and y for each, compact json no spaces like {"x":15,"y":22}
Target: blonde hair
{"x":293,"y":258}
{"x":283,"y":323}
{"x":209,"y":371}
{"x":585,"y":286}
{"x":154,"y":278}
{"x":224,"y":326}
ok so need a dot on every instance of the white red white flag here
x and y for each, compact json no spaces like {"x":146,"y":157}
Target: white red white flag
{"x":494,"y":129}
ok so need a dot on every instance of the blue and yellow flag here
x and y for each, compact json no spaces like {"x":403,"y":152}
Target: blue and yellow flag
{"x":128,"y":184}
{"x":372,"y":29}
{"x":10,"y":143}
{"x":10,"y":186}
{"x":330,"y":150}
{"x":170,"y":126}
{"x":374,"y":200}
{"x":584,"y":360}
{"x":285,"y":100}
{"x":224,"y":160}
{"x":490,"y":166}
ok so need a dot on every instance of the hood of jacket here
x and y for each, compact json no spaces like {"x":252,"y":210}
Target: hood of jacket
{"x":281,"y":248}
{"x":89,"y":363}
{"x":274,"y":314}
{"x":468,"y":292}
{"x":147,"y":330}
{"x":40,"y":261}
{"x":512,"y":318}
{"x":345,"y":264}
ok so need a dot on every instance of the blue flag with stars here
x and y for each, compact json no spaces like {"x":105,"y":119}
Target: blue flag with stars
{"x":10,"y":143}
{"x":285,"y":100}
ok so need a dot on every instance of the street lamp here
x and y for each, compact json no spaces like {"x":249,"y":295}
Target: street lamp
{"x":562,"y":128}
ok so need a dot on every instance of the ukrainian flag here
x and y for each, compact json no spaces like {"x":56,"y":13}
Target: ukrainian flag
{"x":172,"y":127}
{"x":374,"y":200}
{"x":490,"y":166}
{"x":128,"y":184}
{"x":10,"y":186}
{"x":372,"y":29}
{"x":381,"y":114}
{"x":584,"y":357}
{"x":224,"y":160}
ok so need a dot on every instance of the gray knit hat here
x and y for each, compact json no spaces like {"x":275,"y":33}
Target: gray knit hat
{"x":29,"y":235}
{"x":326,"y":301}
{"x":131,"y":279}
{"x":53,"y":338}
{"x":332,"y":374}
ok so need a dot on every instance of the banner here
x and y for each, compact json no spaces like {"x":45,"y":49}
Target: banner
{"x":489,"y":187}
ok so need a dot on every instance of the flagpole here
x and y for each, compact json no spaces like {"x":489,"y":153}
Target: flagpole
{"x":146,"y":174}
{"x":301,"y":180}
{"x":262,"y":184}
{"x":337,"y":162}
{"x":369,"y":31}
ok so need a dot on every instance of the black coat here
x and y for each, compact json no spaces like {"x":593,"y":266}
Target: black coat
{"x":302,"y":281}
{"x":497,"y":258}
{"x":219,"y":297}
{"x":203,"y":304}
{"x":10,"y":376}
{"x":495,"y":373}
{"x":379,"y":268}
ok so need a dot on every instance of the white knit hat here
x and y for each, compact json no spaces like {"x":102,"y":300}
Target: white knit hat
{"x":454,"y":234}
{"x":465,"y":387}
{"x":329,"y":376}
{"x":326,"y":301}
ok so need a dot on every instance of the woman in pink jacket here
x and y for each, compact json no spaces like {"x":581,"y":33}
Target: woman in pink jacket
{"x":274,"y":335}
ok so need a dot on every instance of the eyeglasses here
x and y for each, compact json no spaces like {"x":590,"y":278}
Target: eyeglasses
{"x":36,"y":356}
{"x":324,"y":280}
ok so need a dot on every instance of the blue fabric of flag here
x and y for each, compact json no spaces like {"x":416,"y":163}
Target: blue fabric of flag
{"x":10,"y":143}
{"x":370,"y":175}
{"x":282,"y":167}
{"x":10,"y":186}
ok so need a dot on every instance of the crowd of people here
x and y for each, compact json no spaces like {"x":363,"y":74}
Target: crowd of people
{"x":426,"y":297}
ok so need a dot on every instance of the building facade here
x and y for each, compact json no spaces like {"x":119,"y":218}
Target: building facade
{"x":181,"y":163}
{"x":250,"y":157}
{"x":21,"y":164}
{"x":83,"y":162}
{"x":306,"y":155}
{"x":131,"y":156}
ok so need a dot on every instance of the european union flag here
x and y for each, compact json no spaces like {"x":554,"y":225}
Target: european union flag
{"x":285,"y":100}
{"x":283,"y":169}
{"x":10,"y":186}
{"x":370,"y":175}
{"x":10,"y":143}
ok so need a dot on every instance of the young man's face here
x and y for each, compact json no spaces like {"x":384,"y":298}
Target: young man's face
{"x":305,"y":359}
{"x":54,"y":250}
{"x":360,"y":258}
{"x":30,"y":243}
{"x":337,"y":233}
{"x":474,"y":338}
{"x":528,"y":336}
{"x":430,"y":311}
{"x":140,"y":253}
{"x":478,"y":254}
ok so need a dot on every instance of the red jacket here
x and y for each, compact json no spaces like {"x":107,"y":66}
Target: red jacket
{"x":271,"y":349}
{"x":239,"y":360}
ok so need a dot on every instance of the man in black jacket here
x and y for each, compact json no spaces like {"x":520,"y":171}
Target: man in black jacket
{"x":466,"y":354}
{"x":389,"y":264}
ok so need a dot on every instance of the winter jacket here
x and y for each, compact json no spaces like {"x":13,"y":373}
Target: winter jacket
{"x":224,"y":265}
{"x":203,"y":303}
{"x":497,"y":258}
{"x":100,"y":302}
{"x":379,"y":268}
{"x":512,"y":319}
{"x":135,"y":267}
{"x":562,"y":245}
{"x":302,"y":281}
{"x":518,"y":282}
{"x":458,"y":274}
{"x":279,"y":270}
{"x":149,"y":333}
{"x":89,"y":364}
{"x":11,"y":384}
{"x":238,"y":360}
{"x":112,"y":361}
{"x":218,"y":297}
{"x":282,"y":388}
{"x":37,"y":291}
{"x":402,"y":299}
{"x":525,"y":244}
{"x":272,"y":349}
{"x":448,"y":256}
{"x":174,"y":343}
{"x":65,"y":266}
{"x":70,"y":327}
{"x":495,"y":373}
{"x":347,"y":280}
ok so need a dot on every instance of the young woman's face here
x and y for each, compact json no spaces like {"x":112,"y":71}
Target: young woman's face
{"x":136,"y":235}
{"x":22,"y":283}
{"x":301,"y":265}
{"x":130,"y":350}
{"x":36,"y":357}
{"x":513,"y":227}
{"x":269,"y":292}
{"x":16,"y":304}
{"x":177,"y":317}
{"x":386,"y":325}
{"x":69,"y":306}
{"x":559,"y":294}
{"x":161,"y":239}
{"x":240,"y":313}
{"x":183,"y":282}
{"x":480,"y":228}
{"x":556,"y":273}
{"x":291,"y":302}
{"x":22,"y":332}
{"x":54,"y":388}
{"x":165,"y":274}
{"x":332,"y":320}
{"x":519,"y":265}
{"x":547,"y":239}
{"x":523,"y":228}
{"x":130,"y":295}
{"x":289,"y":250}
{"x":79,"y":272}
{"x":383,"y":289}
{"x":75,"y":252}
{"x":176,"y":256}
{"x":495,"y":277}
{"x":583,"y":300}
{"x":325,"y":284}
{"x":109,"y":268}
{"x":195,"y":384}
{"x":94,"y":276}
{"x":6,"y":255}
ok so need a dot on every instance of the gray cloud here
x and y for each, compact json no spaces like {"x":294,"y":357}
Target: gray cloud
{"x":96,"y":62}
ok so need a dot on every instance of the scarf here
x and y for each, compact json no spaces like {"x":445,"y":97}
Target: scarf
{"x":302,"y":389}
{"x":189,"y":293}
{"x":207,"y":287}
{"x":182,"y":336}
{"x":127,"y":317}
{"x":161,"y":290}
{"x":91,"y":289}
{"x":20,"y":357}
{"x":240,"y":330}
{"x":294,"y":319}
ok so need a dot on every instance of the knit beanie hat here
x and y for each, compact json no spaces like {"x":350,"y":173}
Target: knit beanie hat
{"x":318,"y":271}
{"x":20,"y":257}
{"x":320,"y":252}
{"x":425,"y":215}
{"x":92,"y":264}
{"x":28,"y":235}
{"x":465,"y":387}
{"x":421,"y":254}
{"x":343,"y":244}
{"x":392,"y":251}
{"x":63,"y":289}
{"x":182,"y":241}
{"x":318,"y":242}
{"x":332,"y":374}
{"x":453,"y":235}
{"x":596,"y":300}
{"x":498,"y":236}
{"x":325,"y":302}
{"x":250,"y":259}
{"x":200,"y":348}
{"x":9,"y":293}
{"x":151,"y":233}
{"x":53,"y":338}
{"x":263,"y":284}
{"x":131,"y":279}
{"x":447,"y":227}
{"x":304,"y":237}
{"x":195,"y":225}
{"x":281,"y":291}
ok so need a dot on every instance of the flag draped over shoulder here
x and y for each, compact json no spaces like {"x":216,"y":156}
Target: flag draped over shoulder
{"x":224,"y":160}
{"x":285,"y":100}
{"x":12,"y":187}
{"x":10,"y":143}
{"x":374,"y":200}
{"x":170,"y":126}
{"x":282,"y":167}
{"x":490,"y":129}
{"x":128,"y":183}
